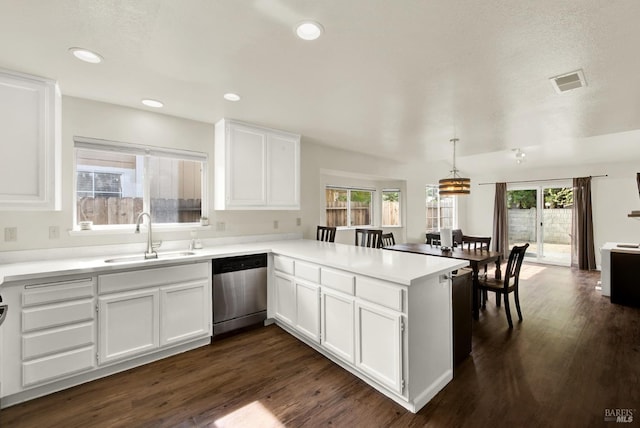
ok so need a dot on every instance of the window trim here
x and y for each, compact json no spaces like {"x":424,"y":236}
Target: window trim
{"x":439,"y":198}
{"x":140,"y":150}
{"x":372,"y":216}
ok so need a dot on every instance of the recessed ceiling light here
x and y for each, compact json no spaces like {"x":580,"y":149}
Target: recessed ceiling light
{"x":152,"y":103}
{"x":86,"y":55}
{"x":231,"y":97}
{"x":309,"y":30}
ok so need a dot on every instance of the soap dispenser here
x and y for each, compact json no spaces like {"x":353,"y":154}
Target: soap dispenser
{"x":195,"y":243}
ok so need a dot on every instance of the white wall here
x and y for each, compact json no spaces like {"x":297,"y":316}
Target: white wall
{"x":613,"y":197}
{"x":322,"y":165}
{"x":86,"y":118}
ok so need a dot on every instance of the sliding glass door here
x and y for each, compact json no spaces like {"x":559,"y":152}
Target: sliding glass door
{"x":541,"y":216}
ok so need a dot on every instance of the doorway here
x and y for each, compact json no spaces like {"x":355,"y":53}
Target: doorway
{"x":541,"y":215}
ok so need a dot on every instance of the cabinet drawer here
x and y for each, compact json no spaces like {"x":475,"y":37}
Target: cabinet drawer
{"x":61,"y":339}
{"x":56,"y":315}
{"x":51,"y":292}
{"x":56,"y":366}
{"x":307,"y":271}
{"x":379,"y":292}
{"x":340,"y":281}
{"x":144,"y":278}
{"x":283,"y":264}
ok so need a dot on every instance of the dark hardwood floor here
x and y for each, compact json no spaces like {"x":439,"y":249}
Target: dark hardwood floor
{"x":574,"y":355}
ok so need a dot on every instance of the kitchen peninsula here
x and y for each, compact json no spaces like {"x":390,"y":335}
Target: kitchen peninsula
{"x":383,"y":316}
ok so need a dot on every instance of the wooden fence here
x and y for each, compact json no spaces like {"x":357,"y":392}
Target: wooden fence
{"x":116,"y":210}
{"x":360,"y":213}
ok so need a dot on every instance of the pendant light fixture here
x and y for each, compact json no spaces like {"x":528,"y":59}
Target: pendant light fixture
{"x":454,"y":185}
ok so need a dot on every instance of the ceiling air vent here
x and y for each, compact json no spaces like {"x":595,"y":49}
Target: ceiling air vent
{"x":569,"y":81}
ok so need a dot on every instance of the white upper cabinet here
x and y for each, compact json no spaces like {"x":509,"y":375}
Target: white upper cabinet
{"x":256,"y":168}
{"x":30,"y":138}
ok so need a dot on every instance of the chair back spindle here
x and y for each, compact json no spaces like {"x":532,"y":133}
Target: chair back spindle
{"x":326,"y":233}
{"x":388,"y":239}
{"x":371,"y":238}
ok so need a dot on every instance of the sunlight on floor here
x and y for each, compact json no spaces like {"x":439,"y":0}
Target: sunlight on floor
{"x":529,"y":271}
{"x":252,"y":415}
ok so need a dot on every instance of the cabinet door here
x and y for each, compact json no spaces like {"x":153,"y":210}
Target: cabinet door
{"x":128,"y":324}
{"x":285,"y":298}
{"x":379,"y":345}
{"x":185,"y":312}
{"x":337,"y":324}
{"x":30,"y":126}
{"x":308,"y":309}
{"x":246,"y":167}
{"x":283,"y":171}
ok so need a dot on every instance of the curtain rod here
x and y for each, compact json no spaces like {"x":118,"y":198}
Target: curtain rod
{"x":548,"y":179}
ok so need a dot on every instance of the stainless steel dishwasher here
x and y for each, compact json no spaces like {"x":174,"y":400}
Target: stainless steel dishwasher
{"x":239,"y":292}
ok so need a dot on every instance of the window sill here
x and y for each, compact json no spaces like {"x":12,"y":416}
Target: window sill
{"x":129,"y":229}
{"x":367,"y":227}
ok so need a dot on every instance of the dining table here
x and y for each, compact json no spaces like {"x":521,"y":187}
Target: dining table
{"x":476,"y":258}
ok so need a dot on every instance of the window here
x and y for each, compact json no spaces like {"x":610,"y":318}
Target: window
{"x":391,"y":207}
{"x":347,"y":207}
{"x":440,"y":211}
{"x":116,"y":181}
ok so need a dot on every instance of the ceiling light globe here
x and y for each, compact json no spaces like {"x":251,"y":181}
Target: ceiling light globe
{"x":231,"y":97}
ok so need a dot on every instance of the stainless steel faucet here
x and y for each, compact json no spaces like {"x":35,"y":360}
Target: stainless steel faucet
{"x":150,"y":253}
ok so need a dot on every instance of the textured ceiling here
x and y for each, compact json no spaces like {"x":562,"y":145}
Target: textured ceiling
{"x":392,"y":78}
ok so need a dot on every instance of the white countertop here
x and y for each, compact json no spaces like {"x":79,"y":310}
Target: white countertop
{"x":395,"y":266}
{"x":615,"y":246}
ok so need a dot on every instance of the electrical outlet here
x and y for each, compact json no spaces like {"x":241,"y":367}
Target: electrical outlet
{"x":298,"y":221}
{"x":54,"y":232}
{"x":275,"y":224}
{"x":10,"y":234}
{"x":220,"y":226}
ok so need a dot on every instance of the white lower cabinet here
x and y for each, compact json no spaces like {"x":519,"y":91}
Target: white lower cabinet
{"x":379,"y":344}
{"x":308,"y":309}
{"x":337,"y":315}
{"x":73,"y":329}
{"x":184,"y":312}
{"x":129,"y":324}
{"x":358,"y":321}
{"x":285,"y":307}
{"x":161,"y":307}
{"x":58,"y":330}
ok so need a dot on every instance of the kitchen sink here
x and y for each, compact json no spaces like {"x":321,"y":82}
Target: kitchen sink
{"x":141,"y":258}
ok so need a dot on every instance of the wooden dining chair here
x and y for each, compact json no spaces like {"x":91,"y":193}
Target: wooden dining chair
{"x":479,"y":243}
{"x":433,"y":237}
{"x":369,"y":238}
{"x":388,"y":239}
{"x":508,"y":284}
{"x":326,"y":233}
{"x":476,"y":243}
